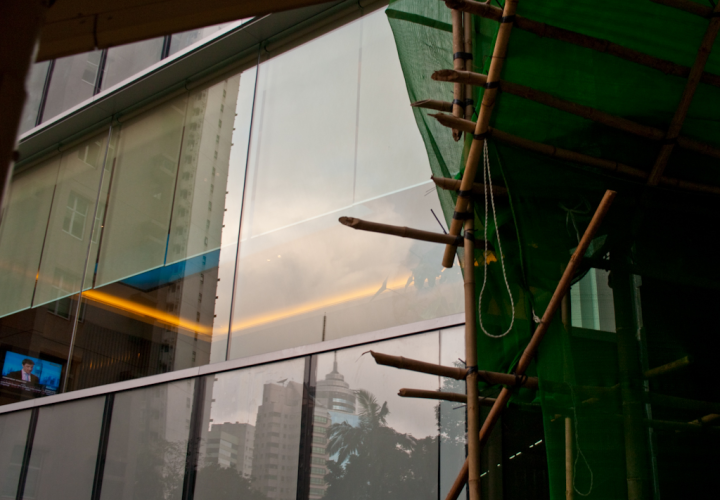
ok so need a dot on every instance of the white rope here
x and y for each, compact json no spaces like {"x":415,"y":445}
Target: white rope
{"x":579,"y":451}
{"x":487,"y":180}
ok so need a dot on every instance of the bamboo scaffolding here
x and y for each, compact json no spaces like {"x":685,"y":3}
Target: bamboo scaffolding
{"x":617,"y":122}
{"x":443,"y":106}
{"x":687,"y":6}
{"x":403,"y":232}
{"x":478,"y":188}
{"x":706,"y":419}
{"x":467,"y":30}
{"x":486,"y":108}
{"x":493,"y":378}
{"x":548,"y":31}
{"x":669,"y":367}
{"x":681,"y":426}
{"x":564,"y":154}
{"x":442,"y":396}
{"x":680,"y":403}
{"x":530,"y":350}
{"x":471,"y":360}
{"x":569,"y":473}
{"x":458,"y":63}
{"x":681,"y":112}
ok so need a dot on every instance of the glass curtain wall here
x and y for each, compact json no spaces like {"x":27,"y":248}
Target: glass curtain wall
{"x":145,"y":222}
{"x":333,"y":135}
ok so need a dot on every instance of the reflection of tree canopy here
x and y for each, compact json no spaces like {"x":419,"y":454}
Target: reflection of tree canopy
{"x":376,"y":461}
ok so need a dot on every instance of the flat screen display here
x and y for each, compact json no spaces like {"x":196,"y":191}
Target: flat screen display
{"x":30,"y":374}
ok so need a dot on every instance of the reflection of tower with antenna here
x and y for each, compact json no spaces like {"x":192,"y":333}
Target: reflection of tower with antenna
{"x":334,"y":404}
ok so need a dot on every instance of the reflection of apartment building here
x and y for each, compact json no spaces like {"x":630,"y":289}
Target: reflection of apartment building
{"x":231,"y":445}
{"x":277,"y":439}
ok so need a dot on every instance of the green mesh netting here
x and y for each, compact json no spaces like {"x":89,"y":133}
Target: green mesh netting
{"x":627,"y":435}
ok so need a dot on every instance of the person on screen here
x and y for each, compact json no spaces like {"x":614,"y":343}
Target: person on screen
{"x":26,"y":373}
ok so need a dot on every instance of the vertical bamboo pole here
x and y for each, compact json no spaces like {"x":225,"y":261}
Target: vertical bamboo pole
{"x":458,"y":63}
{"x":467,"y":28}
{"x":569,"y":488}
{"x":481,"y":127}
{"x":471,"y":360}
{"x":630,"y":386}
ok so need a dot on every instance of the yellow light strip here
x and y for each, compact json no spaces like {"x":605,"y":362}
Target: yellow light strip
{"x":314,"y":305}
{"x":142,"y":310}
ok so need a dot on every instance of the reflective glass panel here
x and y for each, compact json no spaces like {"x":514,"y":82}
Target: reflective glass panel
{"x":13,"y":435}
{"x":367,"y":442}
{"x":179,"y":41}
{"x":34,"y":85}
{"x":22,"y":233}
{"x":64,"y":452}
{"x":148,"y":442}
{"x":72,"y":82}
{"x":126,"y":60}
{"x":250,"y":441}
{"x":333,"y":135}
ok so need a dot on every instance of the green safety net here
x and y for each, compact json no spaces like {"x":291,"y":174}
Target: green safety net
{"x":629,"y":435}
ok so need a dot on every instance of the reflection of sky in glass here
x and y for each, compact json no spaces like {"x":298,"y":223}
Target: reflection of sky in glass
{"x":334,"y":135}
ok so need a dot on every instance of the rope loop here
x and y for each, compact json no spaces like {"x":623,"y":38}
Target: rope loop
{"x":487,"y":180}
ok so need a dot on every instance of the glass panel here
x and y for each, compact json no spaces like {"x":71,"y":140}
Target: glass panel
{"x":251,"y":438}
{"x":126,"y":60}
{"x":592,"y":302}
{"x":72,"y":221}
{"x":354,"y":150}
{"x":179,"y":41}
{"x":13,"y":435}
{"x":367,"y":442}
{"x":23,"y":232}
{"x":64,"y":453}
{"x":162,"y":294}
{"x":72,"y":82}
{"x":34,"y":85}
{"x":148,"y":442}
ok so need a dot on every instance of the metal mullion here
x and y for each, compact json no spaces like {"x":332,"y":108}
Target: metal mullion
{"x":100,"y":72}
{"x":26,"y":455}
{"x":103,"y":446}
{"x":306,"y":428}
{"x":43,"y":96}
{"x":193,"y":447}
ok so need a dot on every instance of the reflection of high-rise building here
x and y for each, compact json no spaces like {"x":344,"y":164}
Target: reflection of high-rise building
{"x":231,"y":445}
{"x":334,"y":404}
{"x":277,"y":440}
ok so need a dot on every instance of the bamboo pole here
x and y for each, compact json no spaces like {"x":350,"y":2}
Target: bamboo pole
{"x":680,"y":403}
{"x":443,"y":106}
{"x":458,"y":63}
{"x":706,"y":419}
{"x":471,"y":360}
{"x":569,"y":473}
{"x":681,"y":426}
{"x":486,"y":107}
{"x":530,"y":350}
{"x":669,"y":367}
{"x":467,"y":30}
{"x":617,"y":122}
{"x":564,"y":154}
{"x":589,"y":42}
{"x":403,"y":232}
{"x":687,"y":6}
{"x":442,"y":396}
{"x":492,"y":378}
{"x":681,"y":112}
{"x":478,"y":188}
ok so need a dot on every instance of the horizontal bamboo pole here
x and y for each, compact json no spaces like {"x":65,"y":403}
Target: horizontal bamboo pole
{"x":443,"y":106}
{"x":403,"y":232}
{"x":681,"y":111}
{"x":670,"y":367}
{"x":442,"y":396}
{"x":564,"y":154}
{"x":493,"y":378}
{"x":530,"y":350}
{"x":680,"y":403}
{"x":477,"y":188}
{"x":706,"y":419}
{"x":681,"y":426}
{"x":687,"y":6}
{"x":548,"y":31}
{"x":617,"y":122}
